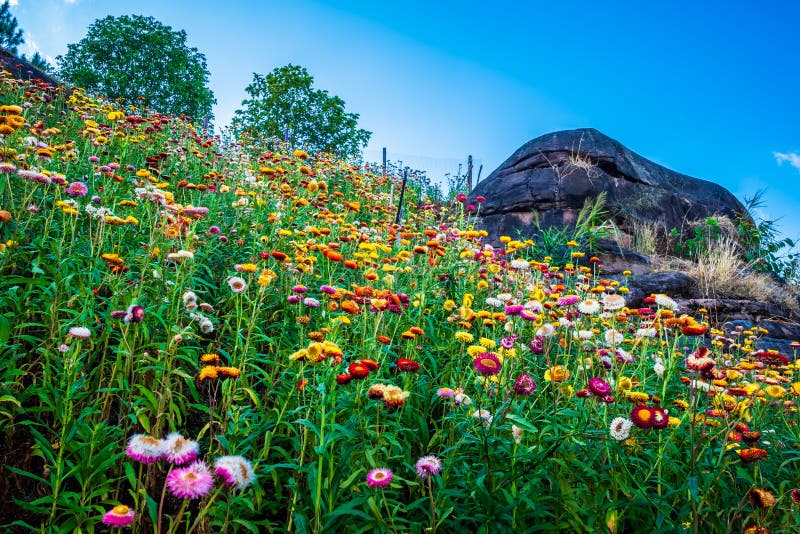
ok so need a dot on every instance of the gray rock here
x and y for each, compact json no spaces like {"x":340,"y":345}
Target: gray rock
{"x":554,"y":174}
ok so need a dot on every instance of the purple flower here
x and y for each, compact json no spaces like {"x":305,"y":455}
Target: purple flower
{"x":524,"y":385}
{"x":599,"y":387}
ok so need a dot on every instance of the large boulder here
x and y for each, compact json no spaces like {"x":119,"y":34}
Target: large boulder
{"x":554,"y":174}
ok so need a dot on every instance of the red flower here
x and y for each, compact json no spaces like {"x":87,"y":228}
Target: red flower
{"x":358,"y":370}
{"x":384,"y":339}
{"x":404,"y":364}
{"x":642,"y":416}
{"x":343,"y":379}
{"x":752,"y":454}
{"x":371,"y":364}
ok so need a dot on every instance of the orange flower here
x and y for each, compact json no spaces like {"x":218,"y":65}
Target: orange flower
{"x":333,"y":255}
{"x":752,"y":454}
{"x":350,"y":306}
{"x":557,"y":373}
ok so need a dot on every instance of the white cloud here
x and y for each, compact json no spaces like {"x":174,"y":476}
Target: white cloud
{"x":13,"y":2}
{"x":792,"y":158}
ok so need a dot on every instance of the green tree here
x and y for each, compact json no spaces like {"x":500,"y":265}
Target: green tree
{"x":10,"y":35}
{"x":285,"y":101}
{"x":136,"y":57}
{"x":39,"y":62}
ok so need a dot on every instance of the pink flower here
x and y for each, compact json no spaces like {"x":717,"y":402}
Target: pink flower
{"x":190,"y":482}
{"x":77,"y":189}
{"x":524,"y":385}
{"x":119,"y":516}
{"x":235,"y":471}
{"x":379,"y":477}
{"x":145,"y":449}
{"x":180,"y":450}
{"x":428,"y":465}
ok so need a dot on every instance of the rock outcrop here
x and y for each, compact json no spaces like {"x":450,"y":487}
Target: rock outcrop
{"x":554,"y":174}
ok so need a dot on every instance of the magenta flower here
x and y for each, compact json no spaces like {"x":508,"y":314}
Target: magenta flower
{"x":145,"y":449}
{"x":379,"y":477}
{"x":190,"y":482}
{"x":428,"y":465}
{"x":487,"y":363}
{"x":119,"y":516}
{"x":524,"y":385}
{"x":599,"y":387}
{"x":235,"y":471}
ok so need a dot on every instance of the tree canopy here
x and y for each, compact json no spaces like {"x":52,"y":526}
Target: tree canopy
{"x":136,"y":58}
{"x":285,"y":102}
{"x":10,"y":34}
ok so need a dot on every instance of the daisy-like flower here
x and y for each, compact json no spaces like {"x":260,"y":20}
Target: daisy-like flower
{"x":145,"y":449}
{"x":394,"y":396}
{"x":119,"y":516}
{"x":557,"y":373}
{"x":589,"y":307}
{"x":235,"y":471}
{"x":190,"y":482}
{"x":484,"y":415}
{"x":428,"y":465}
{"x":642,"y":416}
{"x":761,"y":498}
{"x":77,"y":189}
{"x":180,"y":450}
{"x":663,"y":301}
{"x":524,"y":385}
{"x":613,"y":337}
{"x":80,"y":332}
{"x":613,"y":301}
{"x":206,"y":326}
{"x":795,"y":493}
{"x":599,"y":387}
{"x":134,"y":314}
{"x":751,"y":454}
{"x":620,"y":428}
{"x":487,"y":363}
{"x":380,"y":477}
{"x":237,"y":284}
{"x":516,"y":433}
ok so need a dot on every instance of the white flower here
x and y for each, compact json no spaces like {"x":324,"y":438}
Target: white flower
{"x":520,"y":265}
{"x":589,"y":307}
{"x":585,"y":334}
{"x":613,"y":337}
{"x":613,"y":302}
{"x":517,"y":433}
{"x":620,"y":428}
{"x":494,"y":302}
{"x":646,"y":332}
{"x":485,"y":415}
{"x":206,"y":326}
{"x":80,"y":332}
{"x":546,"y":330}
{"x":658,"y":367}
{"x":665,"y":302}
{"x":237,"y":284}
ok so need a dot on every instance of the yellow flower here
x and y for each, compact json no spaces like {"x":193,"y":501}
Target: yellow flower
{"x":775,"y":391}
{"x":248,"y":267}
{"x":486,"y":342}
{"x":464,"y":337}
{"x":637,"y":396}
{"x":796,"y":388}
{"x":557,"y":373}
{"x":624,"y":383}
{"x":474,"y":350}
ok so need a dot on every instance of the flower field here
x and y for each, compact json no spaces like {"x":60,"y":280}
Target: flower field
{"x":202,"y":336}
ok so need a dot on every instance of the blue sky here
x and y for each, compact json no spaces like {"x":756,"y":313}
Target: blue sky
{"x":705,"y":88}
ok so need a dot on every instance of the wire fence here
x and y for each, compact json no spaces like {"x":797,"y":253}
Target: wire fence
{"x":447,"y":174}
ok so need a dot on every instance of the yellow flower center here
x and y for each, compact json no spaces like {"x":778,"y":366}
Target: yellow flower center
{"x":120,"y":509}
